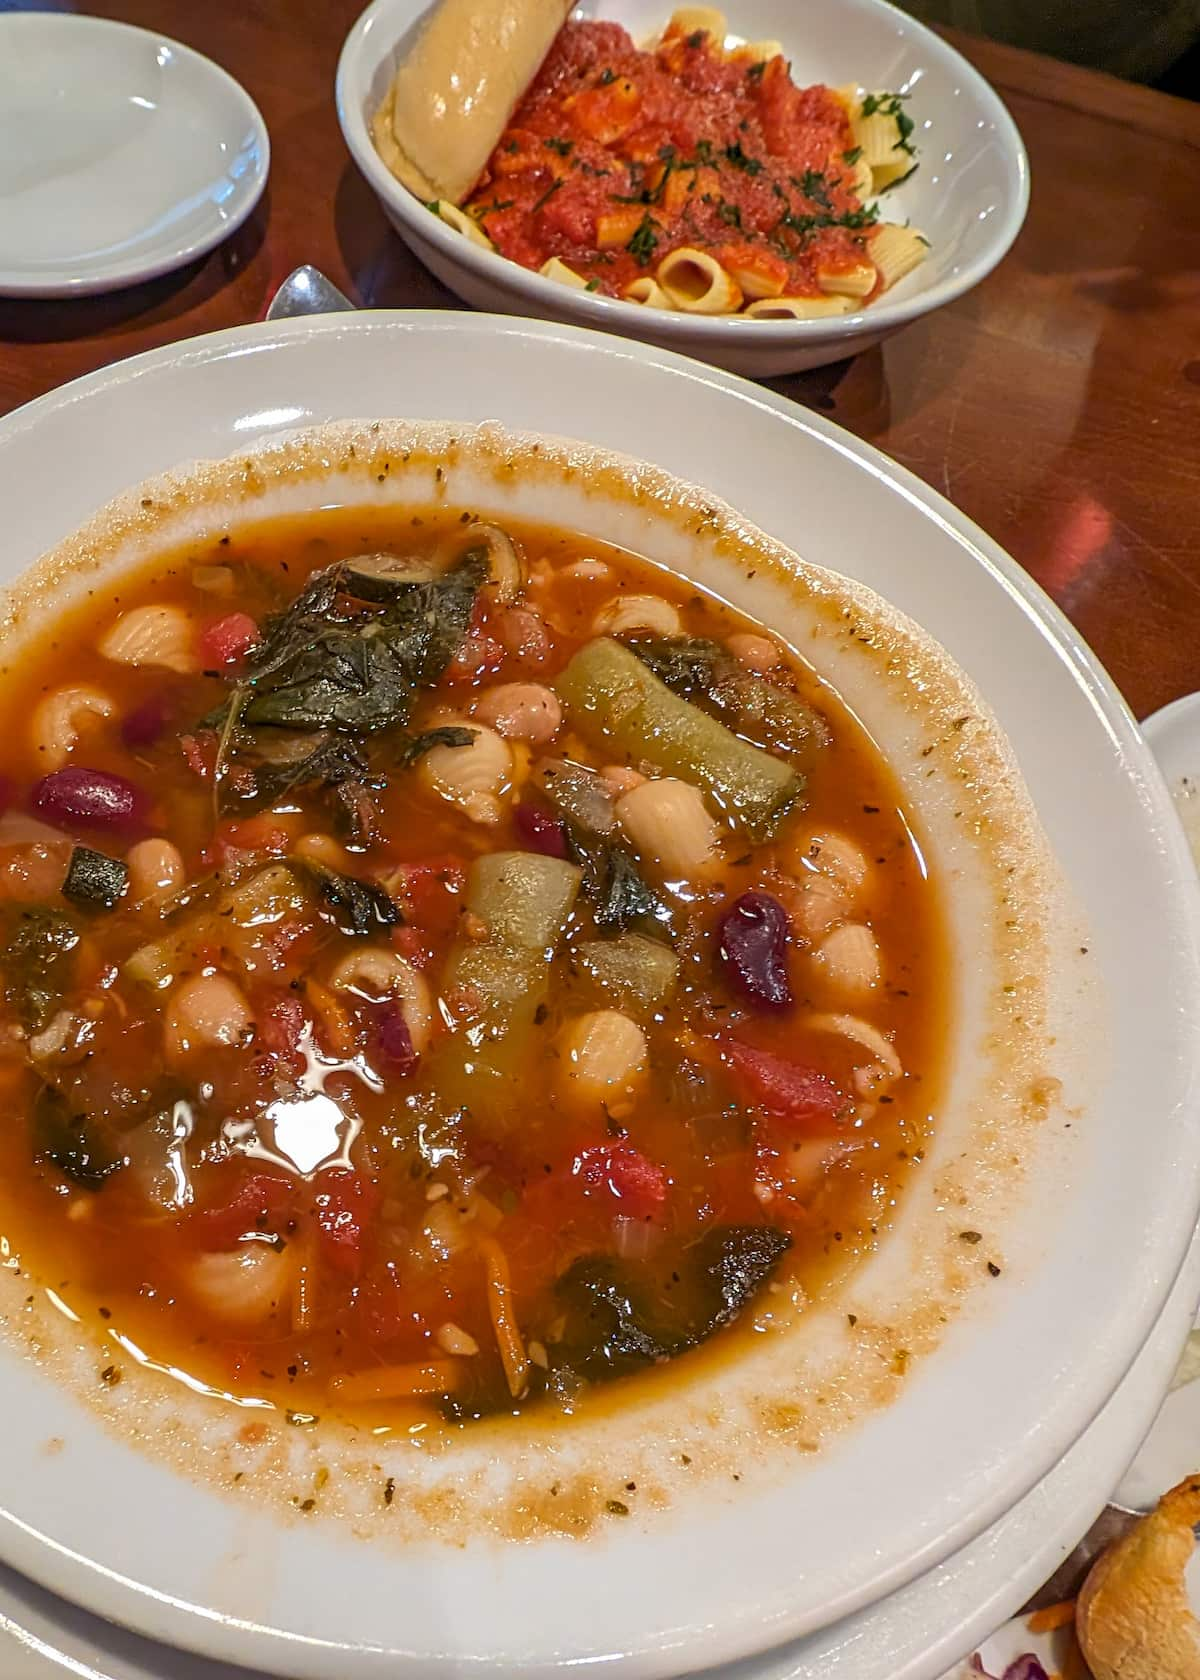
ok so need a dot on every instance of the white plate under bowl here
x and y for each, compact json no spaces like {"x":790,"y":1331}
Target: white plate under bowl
{"x":1010,"y":1389}
{"x":968,"y":197}
{"x":123,"y":154}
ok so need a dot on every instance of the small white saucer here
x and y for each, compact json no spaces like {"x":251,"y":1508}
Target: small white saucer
{"x":122,"y":154}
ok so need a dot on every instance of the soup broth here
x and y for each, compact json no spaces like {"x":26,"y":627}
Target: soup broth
{"x":446,"y":968}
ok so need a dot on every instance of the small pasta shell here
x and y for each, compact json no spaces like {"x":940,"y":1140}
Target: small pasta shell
{"x":555,"y":269}
{"x":696,"y":283}
{"x":604,"y":1060}
{"x":462,"y":223}
{"x":474,"y":778}
{"x":244,"y":1286}
{"x":625,"y":613}
{"x":881,"y":1050}
{"x":375,"y":974}
{"x":668,"y":822}
{"x":152,"y":635}
{"x":59,"y":718}
{"x":849,"y":958}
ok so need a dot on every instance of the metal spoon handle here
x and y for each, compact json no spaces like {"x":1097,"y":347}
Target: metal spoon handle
{"x":306,"y":291}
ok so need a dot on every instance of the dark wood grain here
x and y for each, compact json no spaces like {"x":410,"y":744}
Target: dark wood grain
{"x":1058,"y":404}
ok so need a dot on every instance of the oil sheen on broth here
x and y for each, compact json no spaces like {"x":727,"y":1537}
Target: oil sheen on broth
{"x":446,"y":968}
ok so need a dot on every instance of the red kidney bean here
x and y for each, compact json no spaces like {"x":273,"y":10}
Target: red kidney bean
{"x":77,"y":797}
{"x":540,"y":832}
{"x":395,"y":1040}
{"x":752,"y":948}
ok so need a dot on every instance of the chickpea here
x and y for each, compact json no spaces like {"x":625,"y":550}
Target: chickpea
{"x":521,"y":712}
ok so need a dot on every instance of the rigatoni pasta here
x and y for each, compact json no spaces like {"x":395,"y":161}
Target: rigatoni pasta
{"x":679,"y":175}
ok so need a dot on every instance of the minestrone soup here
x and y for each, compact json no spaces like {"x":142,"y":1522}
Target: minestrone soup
{"x":446,"y":968}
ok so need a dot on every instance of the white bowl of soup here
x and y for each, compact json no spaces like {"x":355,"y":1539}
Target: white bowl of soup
{"x":557,"y":1049}
{"x":769,"y":190}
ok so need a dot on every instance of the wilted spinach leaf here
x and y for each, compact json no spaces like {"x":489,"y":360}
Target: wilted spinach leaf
{"x":447,"y":735}
{"x":359,"y":907}
{"x":620,"y":898}
{"x":609,"y":1330}
{"x":38,"y":963}
{"x":71,"y":1141}
{"x":325,"y":759}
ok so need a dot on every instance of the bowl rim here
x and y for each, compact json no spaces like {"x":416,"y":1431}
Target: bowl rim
{"x":546,"y":297}
{"x":76,"y":1575}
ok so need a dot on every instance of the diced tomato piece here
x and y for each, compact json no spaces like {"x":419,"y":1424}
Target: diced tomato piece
{"x":799,"y":1101}
{"x":409,"y":943}
{"x":235,"y":841}
{"x":254,"y":1201}
{"x":346,"y":1204}
{"x":432,"y":890}
{"x":478,"y":656}
{"x":624,"y":1172}
{"x":200,"y":753}
{"x":280,"y":1021}
{"x":227,"y":640}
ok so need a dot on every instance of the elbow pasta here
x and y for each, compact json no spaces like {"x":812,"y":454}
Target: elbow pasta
{"x":686,"y":226}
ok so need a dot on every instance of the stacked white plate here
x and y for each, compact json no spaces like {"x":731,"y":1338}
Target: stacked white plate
{"x":1000,"y":1452}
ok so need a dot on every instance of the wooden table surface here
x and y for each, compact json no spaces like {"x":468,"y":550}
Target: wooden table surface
{"x":1058,"y":404}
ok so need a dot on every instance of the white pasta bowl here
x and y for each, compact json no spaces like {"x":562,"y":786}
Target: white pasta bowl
{"x":968,"y":197}
{"x":830,"y":1460}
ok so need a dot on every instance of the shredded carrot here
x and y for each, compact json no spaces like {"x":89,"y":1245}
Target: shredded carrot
{"x":397,"y":1382}
{"x":504,"y":1322}
{"x":338,"y":1031}
{"x":1053,"y":1617}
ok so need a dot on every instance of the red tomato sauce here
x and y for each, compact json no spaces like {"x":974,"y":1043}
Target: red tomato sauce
{"x":617,"y":157}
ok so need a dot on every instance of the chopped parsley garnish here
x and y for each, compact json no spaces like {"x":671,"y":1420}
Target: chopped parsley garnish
{"x":755,"y":71}
{"x":645,"y":240}
{"x":606,"y":77}
{"x":695,"y":39}
{"x":900,"y":179}
{"x":812,"y":185}
{"x":564,"y":148}
{"x":432,"y":204}
{"x":593,"y":285}
{"x":802,"y":225}
{"x":889,"y":105}
{"x":852,"y":156}
{"x":512,"y":146}
{"x":730,"y":213}
{"x":549,"y":193}
{"x":740,"y":160}
{"x":704,"y":151}
{"x":482,"y":210}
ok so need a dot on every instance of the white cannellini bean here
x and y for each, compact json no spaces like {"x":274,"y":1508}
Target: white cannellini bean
{"x":669,"y":823}
{"x":521,"y":711}
{"x":244,"y":1286}
{"x":208,"y":1012}
{"x":756,"y":653}
{"x":474,"y":778}
{"x":849,"y":958}
{"x":624,"y":613}
{"x":324,"y":849}
{"x":156,"y":871}
{"x":604,"y":1059}
{"x":374,"y":974}
{"x":152,"y":635}
{"x":59,"y":719}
